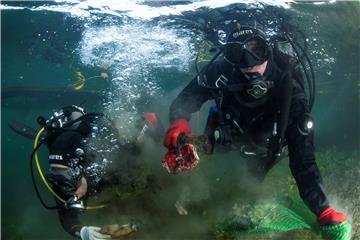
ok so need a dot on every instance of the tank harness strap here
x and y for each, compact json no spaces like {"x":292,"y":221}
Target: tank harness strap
{"x":225,"y":129}
{"x":277,"y":139}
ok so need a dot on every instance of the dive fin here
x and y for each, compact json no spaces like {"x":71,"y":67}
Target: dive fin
{"x":22,"y":129}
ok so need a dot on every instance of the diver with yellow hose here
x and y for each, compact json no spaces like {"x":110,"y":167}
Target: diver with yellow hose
{"x":77,"y":170}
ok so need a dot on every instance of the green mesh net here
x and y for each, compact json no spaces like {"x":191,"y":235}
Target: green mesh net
{"x":279,"y":216}
{"x":337,"y":232}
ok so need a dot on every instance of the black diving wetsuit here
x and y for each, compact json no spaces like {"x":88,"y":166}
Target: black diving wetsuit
{"x":122,"y":171}
{"x":62,"y":149}
{"x":252,"y":117}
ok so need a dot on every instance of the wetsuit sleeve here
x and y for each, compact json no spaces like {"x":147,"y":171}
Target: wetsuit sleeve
{"x":302,"y":159}
{"x":189,"y":101}
{"x":69,"y":219}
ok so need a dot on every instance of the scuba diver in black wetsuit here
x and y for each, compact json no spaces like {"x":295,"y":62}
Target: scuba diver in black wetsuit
{"x":261,"y":107}
{"x":78,"y":170}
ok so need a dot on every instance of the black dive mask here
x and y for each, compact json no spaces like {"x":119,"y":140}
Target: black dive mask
{"x":257,"y":87}
{"x":253,"y":51}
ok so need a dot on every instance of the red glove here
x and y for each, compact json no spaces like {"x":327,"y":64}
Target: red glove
{"x":179,"y":158}
{"x":331,"y":217}
{"x":187,"y":159}
{"x":176,"y":127}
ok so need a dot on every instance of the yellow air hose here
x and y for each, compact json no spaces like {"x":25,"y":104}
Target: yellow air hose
{"x":44,"y":179}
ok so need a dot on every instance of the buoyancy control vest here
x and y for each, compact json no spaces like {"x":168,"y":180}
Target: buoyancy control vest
{"x":283,"y":76}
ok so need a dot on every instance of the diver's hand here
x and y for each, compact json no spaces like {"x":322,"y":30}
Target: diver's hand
{"x":176,"y":128}
{"x":186,"y":158}
{"x":182,"y":155}
{"x":92,"y":233}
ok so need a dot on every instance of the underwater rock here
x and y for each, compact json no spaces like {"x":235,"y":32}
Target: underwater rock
{"x":119,"y":231}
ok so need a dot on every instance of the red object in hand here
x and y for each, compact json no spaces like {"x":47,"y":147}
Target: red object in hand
{"x":331,"y":217}
{"x":151,"y":118}
{"x":171,"y":135}
{"x":186,"y":159}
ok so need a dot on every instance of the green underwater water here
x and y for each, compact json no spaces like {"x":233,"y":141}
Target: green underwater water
{"x":214,"y":187}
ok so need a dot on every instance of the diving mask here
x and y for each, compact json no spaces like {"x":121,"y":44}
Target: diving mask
{"x":246,"y":46}
{"x":253,"y":51}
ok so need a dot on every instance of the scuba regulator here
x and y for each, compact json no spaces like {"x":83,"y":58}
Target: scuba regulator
{"x":257,"y":87}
